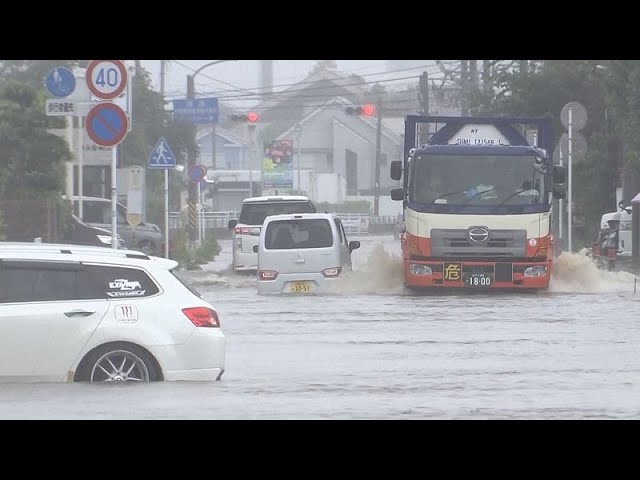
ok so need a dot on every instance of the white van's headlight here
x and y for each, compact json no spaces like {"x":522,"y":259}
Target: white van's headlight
{"x":419,"y":269}
{"x":535,"y":271}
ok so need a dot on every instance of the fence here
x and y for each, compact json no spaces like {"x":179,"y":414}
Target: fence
{"x":355,"y":224}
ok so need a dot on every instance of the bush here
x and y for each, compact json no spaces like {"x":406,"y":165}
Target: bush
{"x":2,"y":235}
{"x":190,"y":258}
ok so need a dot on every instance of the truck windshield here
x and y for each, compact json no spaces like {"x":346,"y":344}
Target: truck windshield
{"x":476,"y":180}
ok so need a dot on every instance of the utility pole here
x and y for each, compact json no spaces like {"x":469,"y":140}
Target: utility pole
{"x":376,"y":197}
{"x":423,"y":94}
{"x":192,"y":187}
{"x":464,"y":81}
{"x":486,"y":76}
{"x":163,"y":64}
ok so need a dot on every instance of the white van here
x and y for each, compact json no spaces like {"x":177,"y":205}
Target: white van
{"x":246,"y":230}
{"x":302,"y":253}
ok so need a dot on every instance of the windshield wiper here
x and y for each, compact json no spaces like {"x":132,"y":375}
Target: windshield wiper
{"x":477,"y":194}
{"x":522,"y":190}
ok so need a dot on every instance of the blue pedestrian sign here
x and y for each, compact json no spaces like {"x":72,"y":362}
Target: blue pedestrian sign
{"x":197,"y":110}
{"x":162,"y":156}
{"x":61,"y":82}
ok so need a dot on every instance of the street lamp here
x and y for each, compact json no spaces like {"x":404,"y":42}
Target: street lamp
{"x":191,"y":160}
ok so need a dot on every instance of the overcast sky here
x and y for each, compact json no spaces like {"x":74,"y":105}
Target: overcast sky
{"x":244,"y":74}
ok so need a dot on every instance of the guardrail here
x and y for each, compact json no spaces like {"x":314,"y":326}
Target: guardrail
{"x":354,"y":223}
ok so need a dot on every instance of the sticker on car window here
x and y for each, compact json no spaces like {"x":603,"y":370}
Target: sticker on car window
{"x":122,"y":287}
{"x":126,"y":313}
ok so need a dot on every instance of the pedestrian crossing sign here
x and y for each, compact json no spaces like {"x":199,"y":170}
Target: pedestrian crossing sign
{"x":162,"y":156}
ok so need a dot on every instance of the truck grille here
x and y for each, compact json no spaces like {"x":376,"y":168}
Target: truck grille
{"x":456,"y":242}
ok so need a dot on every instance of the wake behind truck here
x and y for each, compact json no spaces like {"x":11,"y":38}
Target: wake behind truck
{"x":477,"y":203}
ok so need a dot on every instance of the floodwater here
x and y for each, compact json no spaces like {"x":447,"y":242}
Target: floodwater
{"x":372,"y":351}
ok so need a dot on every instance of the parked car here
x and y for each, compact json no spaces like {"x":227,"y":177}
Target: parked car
{"x":81,"y":233}
{"x":78,"y":313}
{"x":246,"y":229}
{"x":96,"y":211}
{"x":302,"y":253}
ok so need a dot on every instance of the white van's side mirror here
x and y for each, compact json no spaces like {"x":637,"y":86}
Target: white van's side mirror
{"x":354,"y":245}
{"x":255,"y":249}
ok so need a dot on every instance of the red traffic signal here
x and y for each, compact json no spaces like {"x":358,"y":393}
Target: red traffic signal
{"x":251,"y":117}
{"x":367,"y":110}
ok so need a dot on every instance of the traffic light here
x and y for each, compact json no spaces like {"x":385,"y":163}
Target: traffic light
{"x":251,"y":117}
{"x":367,"y":110}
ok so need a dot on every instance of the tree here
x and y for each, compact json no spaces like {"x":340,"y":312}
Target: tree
{"x":31,"y":159}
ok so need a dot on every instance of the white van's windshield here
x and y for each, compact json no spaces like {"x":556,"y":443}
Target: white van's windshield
{"x":255,"y":213}
{"x":298,"y":233}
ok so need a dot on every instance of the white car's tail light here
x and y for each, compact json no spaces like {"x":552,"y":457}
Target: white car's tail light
{"x":267,"y":275}
{"x":247,"y":230}
{"x":331,"y":272}
{"x":202,"y":316}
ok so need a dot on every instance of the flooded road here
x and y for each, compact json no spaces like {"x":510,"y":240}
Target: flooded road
{"x":371,"y":351}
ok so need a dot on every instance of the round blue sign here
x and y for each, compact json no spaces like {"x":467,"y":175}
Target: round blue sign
{"x":197,"y":173}
{"x":61,"y":82}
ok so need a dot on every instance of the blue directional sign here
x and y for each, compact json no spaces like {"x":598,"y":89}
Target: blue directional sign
{"x":61,"y":82}
{"x":162,"y":156}
{"x":197,"y":110}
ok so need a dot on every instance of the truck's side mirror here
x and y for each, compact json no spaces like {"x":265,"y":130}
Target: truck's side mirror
{"x":232,"y":224}
{"x":397,"y":194}
{"x":396,"y":170}
{"x":624,"y":206}
{"x":559,"y":191}
{"x":559,"y":174}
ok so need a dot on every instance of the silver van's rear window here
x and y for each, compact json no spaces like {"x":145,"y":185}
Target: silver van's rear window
{"x":298,"y":233}
{"x":255,"y":213}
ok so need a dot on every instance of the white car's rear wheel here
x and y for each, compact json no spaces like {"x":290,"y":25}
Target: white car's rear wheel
{"x":118,"y":362}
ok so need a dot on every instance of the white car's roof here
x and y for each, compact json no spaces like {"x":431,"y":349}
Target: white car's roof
{"x":297,"y":216}
{"x":85,"y":253}
{"x":277,"y":198}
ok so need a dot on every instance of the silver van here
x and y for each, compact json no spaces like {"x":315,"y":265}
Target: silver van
{"x":246,"y":230}
{"x":302,"y":253}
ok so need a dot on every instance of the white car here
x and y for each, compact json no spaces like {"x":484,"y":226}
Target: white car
{"x":81,"y":313}
{"x":302,"y":253}
{"x":246,"y":229}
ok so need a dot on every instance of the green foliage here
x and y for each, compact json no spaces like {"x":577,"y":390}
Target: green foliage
{"x":354,"y":206}
{"x":190,"y":258}
{"x":32,"y":161}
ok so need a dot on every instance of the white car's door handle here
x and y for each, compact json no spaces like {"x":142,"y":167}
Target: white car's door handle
{"x":79,"y":313}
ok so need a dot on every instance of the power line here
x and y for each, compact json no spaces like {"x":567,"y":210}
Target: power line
{"x":254,"y":93}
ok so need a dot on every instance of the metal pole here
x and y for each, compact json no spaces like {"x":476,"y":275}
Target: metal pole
{"x":80,"y":167}
{"x":570,"y":183}
{"x":191,"y":161}
{"x":166,"y":172}
{"x":251,"y":130}
{"x":114,"y":198}
{"x":70,"y":164}
{"x":560,"y":206}
{"x":299,"y":159}
{"x":213,"y":146}
{"x":376,"y":186}
{"x":199,"y":214}
{"x":202,"y":216}
{"x":166,"y":213}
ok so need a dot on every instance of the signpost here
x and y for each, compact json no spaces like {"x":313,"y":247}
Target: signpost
{"x":107,"y":124}
{"x":197,"y":174}
{"x":201,"y":110}
{"x":163,"y":158}
{"x":134,"y":196}
{"x":107,"y":79}
{"x":60,"y":82}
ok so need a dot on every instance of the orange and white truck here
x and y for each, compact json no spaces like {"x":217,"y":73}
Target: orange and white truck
{"x":477,"y":202}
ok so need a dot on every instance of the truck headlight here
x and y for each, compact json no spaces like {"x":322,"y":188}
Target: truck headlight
{"x":535,"y":271}
{"x":419,"y":269}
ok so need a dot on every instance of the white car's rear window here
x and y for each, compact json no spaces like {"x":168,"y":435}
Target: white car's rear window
{"x":255,"y":213}
{"x":298,"y":233}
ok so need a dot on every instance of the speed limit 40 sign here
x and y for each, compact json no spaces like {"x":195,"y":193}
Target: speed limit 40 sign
{"x":107,"y":79}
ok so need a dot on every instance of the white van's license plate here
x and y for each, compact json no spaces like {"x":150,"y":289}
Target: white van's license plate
{"x":300,"y":287}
